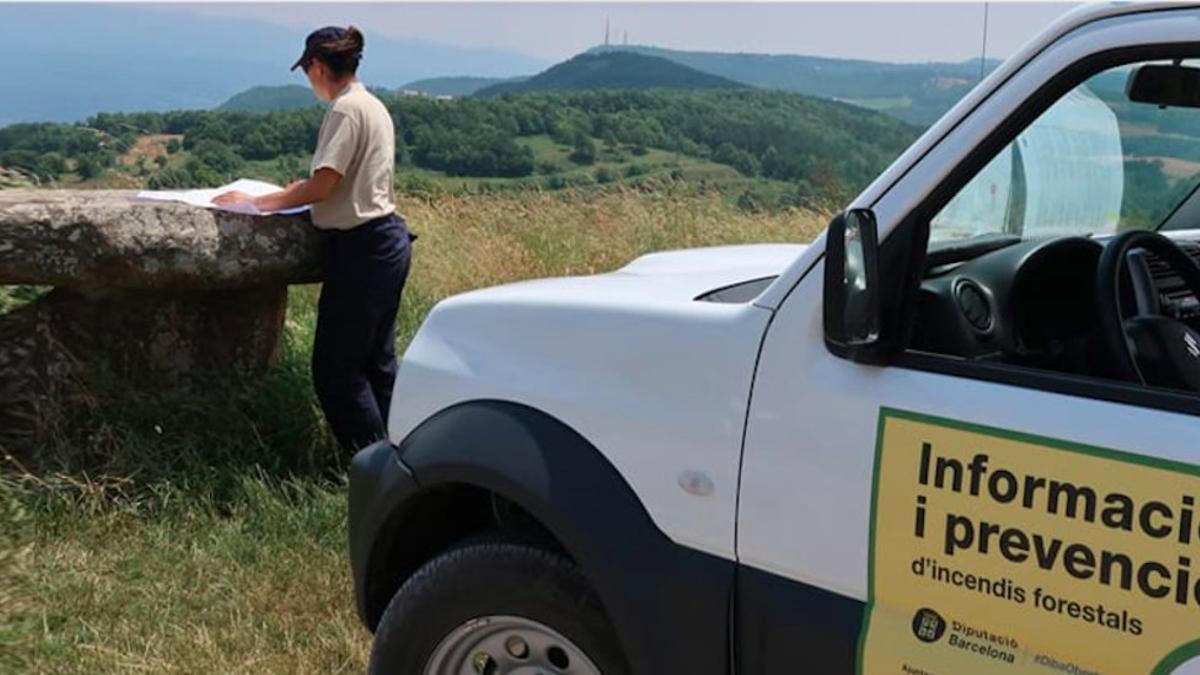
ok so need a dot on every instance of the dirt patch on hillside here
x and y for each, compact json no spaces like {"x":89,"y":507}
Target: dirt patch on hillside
{"x":1174,"y":168}
{"x":147,"y":148}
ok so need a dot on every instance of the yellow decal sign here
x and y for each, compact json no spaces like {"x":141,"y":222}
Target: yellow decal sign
{"x":997,"y":552}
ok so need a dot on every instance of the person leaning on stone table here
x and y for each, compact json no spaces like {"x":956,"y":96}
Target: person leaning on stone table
{"x":352,"y":194}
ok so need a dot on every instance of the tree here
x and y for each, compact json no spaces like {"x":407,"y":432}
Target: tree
{"x":21,"y":159}
{"x":218,"y":157}
{"x":770,"y":163}
{"x":611,"y":143}
{"x":750,"y":201}
{"x":743,"y":161}
{"x":606,"y":175}
{"x":51,"y":165}
{"x":201,"y":174}
{"x":584,"y":151}
{"x":170,"y":179}
{"x":89,"y":166}
{"x":260,"y":145}
{"x":288,"y":169}
{"x":636,"y":169}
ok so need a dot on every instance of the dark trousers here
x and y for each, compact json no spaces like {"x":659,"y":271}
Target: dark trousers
{"x":354,"y":354}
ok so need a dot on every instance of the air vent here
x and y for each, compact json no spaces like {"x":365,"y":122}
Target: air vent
{"x":974,"y":305}
{"x":1173,"y":292}
{"x":738,"y":293}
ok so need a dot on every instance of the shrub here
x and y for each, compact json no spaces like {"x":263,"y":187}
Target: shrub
{"x":604,"y":174}
{"x":585,"y":150}
{"x":636,"y":169}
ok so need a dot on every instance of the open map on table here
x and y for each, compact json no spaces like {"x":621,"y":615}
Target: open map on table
{"x":203,"y":197}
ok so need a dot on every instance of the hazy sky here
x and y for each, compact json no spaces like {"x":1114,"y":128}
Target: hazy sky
{"x":882,"y":31}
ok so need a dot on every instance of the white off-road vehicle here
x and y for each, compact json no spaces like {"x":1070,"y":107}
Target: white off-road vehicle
{"x":958,"y":433}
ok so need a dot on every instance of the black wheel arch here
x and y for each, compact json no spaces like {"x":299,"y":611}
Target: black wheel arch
{"x":669,"y":604}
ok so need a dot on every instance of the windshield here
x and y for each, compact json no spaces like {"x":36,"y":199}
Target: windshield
{"x":1093,"y":163}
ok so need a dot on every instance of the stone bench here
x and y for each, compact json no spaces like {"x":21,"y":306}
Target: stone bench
{"x":157,"y":291}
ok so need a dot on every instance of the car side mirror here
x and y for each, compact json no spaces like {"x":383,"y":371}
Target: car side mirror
{"x":851,"y":303}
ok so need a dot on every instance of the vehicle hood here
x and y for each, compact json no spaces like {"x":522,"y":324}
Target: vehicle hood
{"x":655,"y":380}
{"x":670,"y":276}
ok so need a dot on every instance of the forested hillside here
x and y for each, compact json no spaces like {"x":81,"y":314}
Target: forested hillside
{"x":614,"y":70}
{"x":270,"y":99}
{"x":819,"y":147}
{"x":917,"y":93}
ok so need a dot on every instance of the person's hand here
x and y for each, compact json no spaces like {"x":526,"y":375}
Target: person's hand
{"x":233,"y":197}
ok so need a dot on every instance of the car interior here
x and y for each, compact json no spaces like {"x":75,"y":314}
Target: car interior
{"x":1081,"y":256}
{"x":1037,"y":303}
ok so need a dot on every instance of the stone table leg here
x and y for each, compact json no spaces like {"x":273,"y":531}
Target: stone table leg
{"x":149,"y":338}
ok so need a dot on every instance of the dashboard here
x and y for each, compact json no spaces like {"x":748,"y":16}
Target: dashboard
{"x":1029,"y":302}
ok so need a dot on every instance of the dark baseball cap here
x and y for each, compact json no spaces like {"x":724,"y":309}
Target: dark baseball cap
{"x":315,"y":44}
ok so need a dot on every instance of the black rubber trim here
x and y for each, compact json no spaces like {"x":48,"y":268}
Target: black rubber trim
{"x":785,"y":627}
{"x":668,"y":603}
{"x":379,"y":484}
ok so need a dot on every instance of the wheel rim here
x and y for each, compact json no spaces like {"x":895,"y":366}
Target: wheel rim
{"x":507,"y":645}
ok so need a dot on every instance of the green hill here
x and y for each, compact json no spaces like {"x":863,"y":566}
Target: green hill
{"x":731,"y":139}
{"x":614,"y":70}
{"x":918,"y":93}
{"x":270,"y":99}
{"x":455,"y":86}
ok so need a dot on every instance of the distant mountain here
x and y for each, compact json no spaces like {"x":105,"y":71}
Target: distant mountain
{"x":80,"y":59}
{"x":456,"y":86}
{"x":270,"y":99}
{"x":614,"y":70}
{"x":914,"y":92}
{"x":263,"y":99}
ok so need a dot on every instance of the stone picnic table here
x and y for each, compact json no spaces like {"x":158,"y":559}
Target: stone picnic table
{"x":157,"y":291}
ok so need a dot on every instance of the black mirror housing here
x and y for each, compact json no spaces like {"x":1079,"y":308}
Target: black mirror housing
{"x":852,"y":317}
{"x":1174,"y":86}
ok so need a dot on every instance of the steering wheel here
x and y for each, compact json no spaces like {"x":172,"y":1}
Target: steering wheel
{"x":1150,"y":348}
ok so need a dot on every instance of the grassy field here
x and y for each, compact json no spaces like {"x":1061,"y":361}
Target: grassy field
{"x":205,"y":532}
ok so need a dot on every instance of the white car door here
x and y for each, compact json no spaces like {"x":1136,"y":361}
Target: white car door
{"x":937,"y":515}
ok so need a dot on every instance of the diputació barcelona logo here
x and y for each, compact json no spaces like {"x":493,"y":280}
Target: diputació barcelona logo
{"x":928,"y":625}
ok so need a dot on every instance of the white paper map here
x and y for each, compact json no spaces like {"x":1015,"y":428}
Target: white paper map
{"x":203,"y":197}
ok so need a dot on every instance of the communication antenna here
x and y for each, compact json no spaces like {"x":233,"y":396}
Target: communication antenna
{"x":626,"y":38}
{"x":983,"y":52}
{"x":606,"y":31}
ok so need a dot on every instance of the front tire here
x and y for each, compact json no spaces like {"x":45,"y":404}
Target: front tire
{"x":496,"y":608}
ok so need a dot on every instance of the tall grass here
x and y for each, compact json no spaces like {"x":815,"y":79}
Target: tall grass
{"x":204,"y":530}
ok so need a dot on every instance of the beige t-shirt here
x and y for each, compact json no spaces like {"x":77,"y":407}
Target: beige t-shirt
{"x":357,"y":140}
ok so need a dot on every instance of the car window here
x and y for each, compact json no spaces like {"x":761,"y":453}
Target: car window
{"x":1093,"y":163}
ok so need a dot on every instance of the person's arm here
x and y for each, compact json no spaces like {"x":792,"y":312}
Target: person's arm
{"x":309,"y":191}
